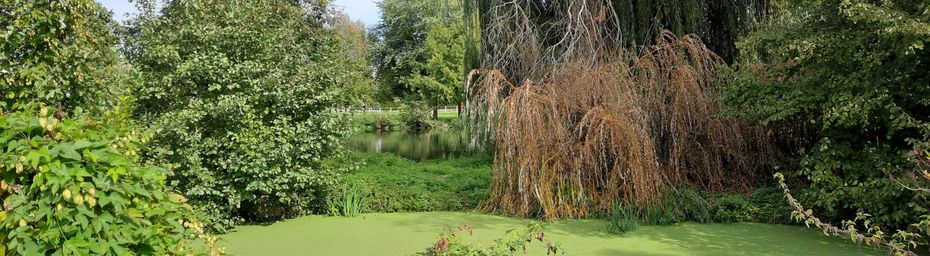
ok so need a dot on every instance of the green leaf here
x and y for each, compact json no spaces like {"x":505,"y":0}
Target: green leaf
{"x":67,"y":150}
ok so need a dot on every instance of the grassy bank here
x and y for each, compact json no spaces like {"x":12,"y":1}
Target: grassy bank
{"x":390,"y":183}
{"x":406,"y":233}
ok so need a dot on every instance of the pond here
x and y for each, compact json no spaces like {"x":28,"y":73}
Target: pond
{"x":406,"y":233}
{"x":437,"y":144}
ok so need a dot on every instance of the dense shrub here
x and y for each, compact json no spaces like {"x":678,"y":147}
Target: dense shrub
{"x":416,"y":117}
{"x":60,"y":53}
{"x":685,"y":204}
{"x":392,"y":183}
{"x":691,"y":205}
{"x":846,"y":85}
{"x":377,"y":121}
{"x":74,"y":187}
{"x":242,"y":100}
{"x":769,"y":206}
{"x":728,"y":208}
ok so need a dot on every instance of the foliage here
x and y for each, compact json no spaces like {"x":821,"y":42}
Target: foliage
{"x":416,"y":118}
{"x":349,"y":204}
{"x":769,"y":206}
{"x":442,"y":78}
{"x":412,"y":61}
{"x":391,"y":183}
{"x":451,"y":245}
{"x":622,"y":220}
{"x":642,"y":123}
{"x":357,"y":47}
{"x":729,"y":208}
{"x":686,"y":204}
{"x":692,"y":205}
{"x":385,"y":121}
{"x":677,"y":205}
{"x":667,"y":211}
{"x":845,"y":85}
{"x":59,"y":53}
{"x":595,"y":29}
{"x":242,"y":99}
{"x":74,"y":186}
{"x":900,"y":243}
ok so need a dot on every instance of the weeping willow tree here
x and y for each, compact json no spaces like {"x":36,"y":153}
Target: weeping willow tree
{"x":590,"y":106}
{"x":636,"y":23}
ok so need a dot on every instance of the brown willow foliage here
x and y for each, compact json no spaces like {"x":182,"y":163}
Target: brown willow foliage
{"x":596,"y":126}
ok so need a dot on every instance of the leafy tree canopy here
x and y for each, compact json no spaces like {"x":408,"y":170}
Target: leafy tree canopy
{"x":59,"y":53}
{"x":73,"y":187}
{"x":848,"y":81}
{"x":404,"y":56}
{"x":242,"y":99}
{"x":441,"y":78}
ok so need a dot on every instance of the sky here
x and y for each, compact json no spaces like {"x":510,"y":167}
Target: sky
{"x":364,"y":10}
{"x":119,"y":7}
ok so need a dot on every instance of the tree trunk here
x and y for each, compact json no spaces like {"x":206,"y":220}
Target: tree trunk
{"x":435,"y":113}
{"x":458,"y":110}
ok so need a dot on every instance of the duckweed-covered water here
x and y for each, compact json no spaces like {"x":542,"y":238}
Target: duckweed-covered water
{"x":408,"y":233}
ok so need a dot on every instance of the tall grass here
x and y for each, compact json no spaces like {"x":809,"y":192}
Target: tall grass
{"x":622,"y":220}
{"x":349,"y":204}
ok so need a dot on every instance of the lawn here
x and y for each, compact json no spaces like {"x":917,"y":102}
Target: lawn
{"x":448,"y":116}
{"x":407,"y":233}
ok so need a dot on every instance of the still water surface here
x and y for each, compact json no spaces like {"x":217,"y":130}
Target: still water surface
{"x":417,"y":146}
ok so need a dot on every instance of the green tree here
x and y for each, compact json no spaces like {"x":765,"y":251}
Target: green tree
{"x":441,"y":78}
{"x":74,"y":187}
{"x":71,"y":182}
{"x":402,"y":53}
{"x":59,"y":53}
{"x":634,"y":23}
{"x":357,"y":46}
{"x":243,"y":101}
{"x":846,"y":84}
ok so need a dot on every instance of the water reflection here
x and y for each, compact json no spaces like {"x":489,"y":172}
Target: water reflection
{"x":417,"y":146}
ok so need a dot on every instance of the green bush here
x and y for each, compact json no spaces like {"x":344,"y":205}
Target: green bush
{"x":726,"y":208}
{"x":769,"y":206}
{"x":60,"y":53}
{"x":844,"y":83}
{"x":74,"y":187}
{"x":682,"y":204}
{"x":685,"y":204}
{"x":377,"y":121}
{"x":666,"y":212}
{"x":417,"y":117}
{"x":243,"y":101}
{"x":391,"y":183}
{"x":622,"y":220}
{"x":693,"y":206}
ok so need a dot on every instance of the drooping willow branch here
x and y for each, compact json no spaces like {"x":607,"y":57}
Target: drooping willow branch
{"x":807,"y":216}
{"x":590,"y":133}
